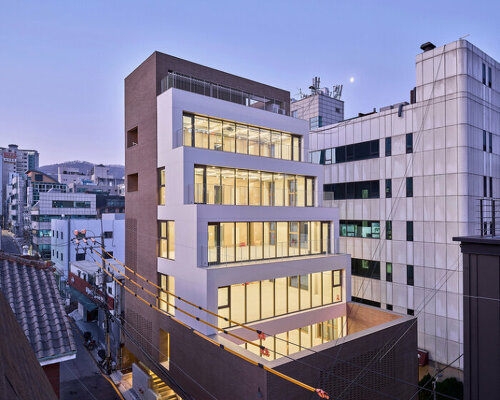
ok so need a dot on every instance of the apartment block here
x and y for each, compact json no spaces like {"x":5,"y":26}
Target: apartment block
{"x":406,"y":180}
{"x":223,"y":209}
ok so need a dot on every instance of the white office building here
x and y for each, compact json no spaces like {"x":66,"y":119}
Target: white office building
{"x":407,"y":179}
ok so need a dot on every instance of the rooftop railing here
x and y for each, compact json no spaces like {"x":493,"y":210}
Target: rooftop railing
{"x":206,"y":88}
{"x":488,"y":210}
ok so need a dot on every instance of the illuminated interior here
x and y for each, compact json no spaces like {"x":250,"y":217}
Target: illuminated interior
{"x":216,"y":134}
{"x":290,"y":342}
{"x":254,"y":301}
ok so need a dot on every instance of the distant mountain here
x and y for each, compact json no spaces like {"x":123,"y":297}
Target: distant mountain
{"x":118,"y":171}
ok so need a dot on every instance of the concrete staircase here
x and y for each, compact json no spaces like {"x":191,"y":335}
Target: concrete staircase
{"x":162,"y":390}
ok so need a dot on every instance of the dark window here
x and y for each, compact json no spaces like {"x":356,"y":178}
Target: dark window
{"x":388,"y":272}
{"x":62,"y":236}
{"x":108,"y":235}
{"x":365,"y":301}
{"x":389,"y":307}
{"x":80,"y":256}
{"x":489,"y":77}
{"x":409,"y":187}
{"x":409,"y":231}
{"x":38,"y":177}
{"x":352,"y":190}
{"x":491,"y":142}
{"x":132,"y":137}
{"x":70,"y":204}
{"x":108,"y":254}
{"x":491,"y":186}
{"x":365,"y":268}
{"x":133,"y":183}
{"x":409,"y":311}
{"x":484,"y":140}
{"x":364,"y":229}
{"x":484,"y":74}
{"x":409,"y":143}
{"x":315,"y":122}
{"x":388,"y":146}
{"x":351,"y":152}
{"x":388,"y":188}
{"x":388,"y":230}
{"x":485,"y":188}
{"x":409,"y":275}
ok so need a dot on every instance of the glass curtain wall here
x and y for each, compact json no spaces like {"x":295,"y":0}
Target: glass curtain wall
{"x":214,"y":185}
{"x":254,"y":301}
{"x":244,"y":241}
{"x":216,"y":134}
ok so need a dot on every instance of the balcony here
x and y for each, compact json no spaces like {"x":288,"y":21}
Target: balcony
{"x":188,"y":83}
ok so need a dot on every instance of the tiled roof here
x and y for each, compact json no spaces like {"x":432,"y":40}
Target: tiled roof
{"x":31,"y":290}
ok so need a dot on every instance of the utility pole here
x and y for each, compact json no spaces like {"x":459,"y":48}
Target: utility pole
{"x":107,"y":362}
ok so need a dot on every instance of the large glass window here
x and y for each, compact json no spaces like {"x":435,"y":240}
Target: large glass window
{"x":351,"y":152}
{"x":365,"y":268}
{"x":216,"y":134}
{"x":253,"y":301}
{"x":166,"y":239}
{"x":363,"y":229}
{"x":352,"y":190}
{"x":242,"y":241}
{"x":214,"y":185}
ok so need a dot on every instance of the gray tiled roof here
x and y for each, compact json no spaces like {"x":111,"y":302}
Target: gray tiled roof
{"x":31,"y":290}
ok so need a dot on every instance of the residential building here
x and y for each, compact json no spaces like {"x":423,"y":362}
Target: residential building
{"x":52,"y":205}
{"x":14,"y":160}
{"x":405,"y":180}
{"x":110,"y":229}
{"x":40,"y":182}
{"x":101,"y":176}
{"x":321,"y":107}
{"x":30,"y":289}
{"x":16,"y":203}
{"x":481,"y":305}
{"x":223,"y":209}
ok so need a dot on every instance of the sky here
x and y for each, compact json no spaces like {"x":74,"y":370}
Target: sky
{"x":62,"y":63}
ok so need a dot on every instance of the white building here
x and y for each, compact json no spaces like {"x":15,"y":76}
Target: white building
{"x":67,"y":175}
{"x":54,"y":204}
{"x":16,"y":202}
{"x":406,"y":180}
{"x":110,"y":230}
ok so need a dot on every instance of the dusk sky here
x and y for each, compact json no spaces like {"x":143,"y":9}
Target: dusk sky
{"x":62,"y":64}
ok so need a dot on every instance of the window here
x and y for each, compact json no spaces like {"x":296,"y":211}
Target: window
{"x":388,"y":307}
{"x":409,"y":311}
{"x":214,"y":185}
{"x":363,"y":229}
{"x":62,"y":236}
{"x":70,"y":204}
{"x":485,"y":187}
{"x":409,"y":187}
{"x":484,"y":140}
{"x":294,"y":114}
{"x":108,"y":254}
{"x":366,"y":301}
{"x":132,"y":137}
{"x":38,"y":177}
{"x":132,"y":182}
{"x":315,"y":122}
{"x":484,"y":74}
{"x":490,"y":149}
{"x":388,"y":188}
{"x":409,"y":231}
{"x":409,"y":143}
{"x":80,"y":257}
{"x":489,"y":77}
{"x":161,"y":186}
{"x":220,"y":135}
{"x":388,"y":272}
{"x":62,"y":257}
{"x":409,"y":275}
{"x":166,"y":245}
{"x":351,"y":152}
{"x":388,"y":146}
{"x":365,"y":268}
{"x":241,"y":241}
{"x":108,"y":235}
{"x":253,"y":301}
{"x":167,"y":300}
{"x":352,"y":190}
{"x":491,"y":186}
{"x":388,"y":230}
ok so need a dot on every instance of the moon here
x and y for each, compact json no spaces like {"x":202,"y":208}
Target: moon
{"x":351,"y":79}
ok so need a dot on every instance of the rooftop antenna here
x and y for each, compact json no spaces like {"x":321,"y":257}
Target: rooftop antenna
{"x":463,"y":37}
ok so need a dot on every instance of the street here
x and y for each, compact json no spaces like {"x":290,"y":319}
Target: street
{"x":81,"y":379}
{"x":9,"y":244}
